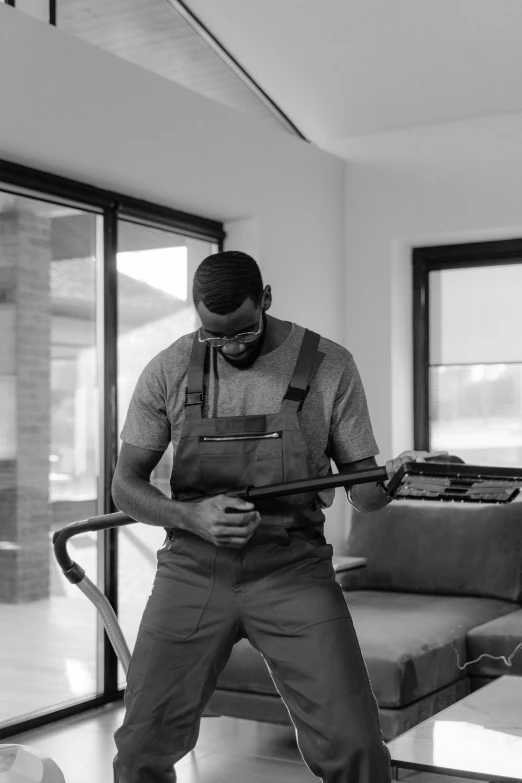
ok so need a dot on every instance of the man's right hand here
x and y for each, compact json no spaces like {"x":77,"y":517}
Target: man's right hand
{"x":223,"y":520}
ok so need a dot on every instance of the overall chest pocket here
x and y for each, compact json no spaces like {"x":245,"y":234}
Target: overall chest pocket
{"x":229,"y":461}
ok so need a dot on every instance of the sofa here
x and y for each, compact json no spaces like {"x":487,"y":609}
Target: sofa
{"x":442,"y":587}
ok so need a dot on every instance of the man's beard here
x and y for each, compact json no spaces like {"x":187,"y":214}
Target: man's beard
{"x":252,"y":357}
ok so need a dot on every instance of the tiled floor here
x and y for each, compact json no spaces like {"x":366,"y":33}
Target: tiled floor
{"x":228,"y":751}
{"x":48,"y":649}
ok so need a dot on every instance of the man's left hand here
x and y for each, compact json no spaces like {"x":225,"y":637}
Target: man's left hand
{"x":393,"y":465}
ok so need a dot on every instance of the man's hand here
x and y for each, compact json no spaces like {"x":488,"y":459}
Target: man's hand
{"x":210,"y":520}
{"x":393,"y":465}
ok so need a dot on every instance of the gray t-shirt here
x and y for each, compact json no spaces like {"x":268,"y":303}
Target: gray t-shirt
{"x":334,"y":418}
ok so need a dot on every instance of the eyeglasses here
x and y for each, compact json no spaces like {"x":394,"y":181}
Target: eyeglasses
{"x":243,"y":337}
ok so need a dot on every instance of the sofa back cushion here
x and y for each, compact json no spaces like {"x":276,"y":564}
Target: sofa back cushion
{"x":441,"y":548}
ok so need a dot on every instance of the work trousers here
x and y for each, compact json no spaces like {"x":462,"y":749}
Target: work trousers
{"x":280,"y":592}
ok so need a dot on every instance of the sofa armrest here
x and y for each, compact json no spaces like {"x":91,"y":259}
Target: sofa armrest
{"x":352,"y":580}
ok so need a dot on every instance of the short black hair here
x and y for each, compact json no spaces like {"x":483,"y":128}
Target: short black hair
{"x":224,"y":280}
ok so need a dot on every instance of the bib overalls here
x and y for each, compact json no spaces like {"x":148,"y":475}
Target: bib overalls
{"x":279,"y":591}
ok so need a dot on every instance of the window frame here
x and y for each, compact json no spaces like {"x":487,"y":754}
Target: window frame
{"x":431,"y":259}
{"x":52,"y":10}
{"x":112,"y":206}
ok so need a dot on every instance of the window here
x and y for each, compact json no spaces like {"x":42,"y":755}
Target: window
{"x":92,"y":284}
{"x":50,"y":263}
{"x":468,"y":351}
{"x":155,"y":272}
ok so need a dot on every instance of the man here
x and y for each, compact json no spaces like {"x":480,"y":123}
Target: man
{"x":247,"y":399}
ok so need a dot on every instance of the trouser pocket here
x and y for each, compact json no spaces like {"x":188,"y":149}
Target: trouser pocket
{"x":311,"y":595}
{"x":309,"y":601}
{"x":182,"y":587}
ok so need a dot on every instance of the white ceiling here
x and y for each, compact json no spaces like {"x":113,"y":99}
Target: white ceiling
{"x":154,"y":35}
{"x":346,"y":68}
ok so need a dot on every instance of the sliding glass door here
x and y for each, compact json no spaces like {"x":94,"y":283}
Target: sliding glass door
{"x":50,"y":262}
{"x":92,"y":285}
{"x":155,"y":273}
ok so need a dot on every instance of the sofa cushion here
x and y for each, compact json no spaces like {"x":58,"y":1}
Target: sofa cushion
{"x":404,"y":638}
{"x":441,"y":548}
{"x":499,"y":637}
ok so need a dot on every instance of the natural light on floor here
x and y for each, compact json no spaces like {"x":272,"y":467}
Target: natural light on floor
{"x":79,"y":677}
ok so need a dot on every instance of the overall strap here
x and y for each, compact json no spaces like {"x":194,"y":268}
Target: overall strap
{"x":306,"y":366}
{"x":195,"y":391}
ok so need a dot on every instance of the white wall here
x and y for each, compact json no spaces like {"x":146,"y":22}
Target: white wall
{"x":459,"y":182}
{"x":74,"y":110}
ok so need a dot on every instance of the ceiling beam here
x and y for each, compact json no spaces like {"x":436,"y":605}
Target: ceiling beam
{"x":233,"y":64}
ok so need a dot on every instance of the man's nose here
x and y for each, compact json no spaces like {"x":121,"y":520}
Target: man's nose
{"x":233,"y":348}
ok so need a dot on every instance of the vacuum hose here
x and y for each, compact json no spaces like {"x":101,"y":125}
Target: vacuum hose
{"x":76,"y":575}
{"x":109,"y":619}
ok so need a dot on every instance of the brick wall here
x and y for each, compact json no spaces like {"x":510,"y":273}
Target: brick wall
{"x":8,"y":500}
{"x":25,"y":515}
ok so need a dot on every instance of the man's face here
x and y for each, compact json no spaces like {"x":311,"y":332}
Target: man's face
{"x":245,"y":319}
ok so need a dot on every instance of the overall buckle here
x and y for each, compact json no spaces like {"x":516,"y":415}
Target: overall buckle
{"x":296,"y":395}
{"x":194,"y":398}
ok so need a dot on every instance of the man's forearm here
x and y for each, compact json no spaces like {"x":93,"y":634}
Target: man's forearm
{"x":144,"y":502}
{"x":368,"y":497}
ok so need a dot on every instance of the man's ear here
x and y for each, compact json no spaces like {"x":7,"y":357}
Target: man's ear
{"x":267,"y":296}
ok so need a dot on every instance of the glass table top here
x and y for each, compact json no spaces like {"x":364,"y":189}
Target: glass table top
{"x":481,"y":735}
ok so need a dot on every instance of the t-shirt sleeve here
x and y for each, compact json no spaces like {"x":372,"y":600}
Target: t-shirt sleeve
{"x":147,"y":424}
{"x":351,"y":434}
